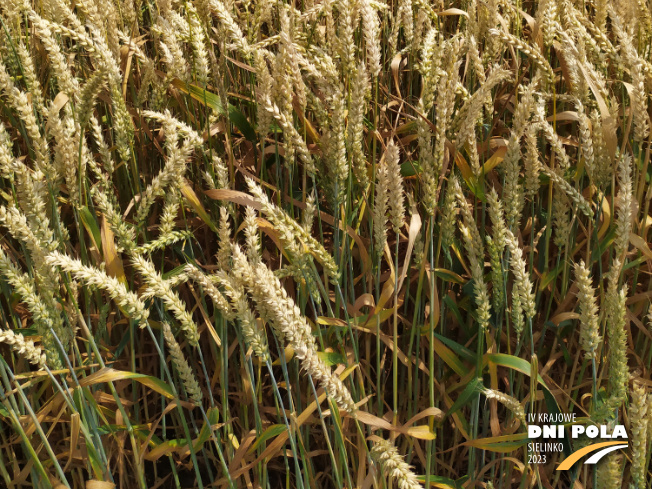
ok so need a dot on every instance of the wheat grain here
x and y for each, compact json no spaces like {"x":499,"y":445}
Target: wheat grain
{"x":291,"y":134}
{"x":24,"y":348}
{"x":45,"y":318}
{"x":231,"y":27}
{"x":522,"y":283}
{"x":530,"y":51}
{"x":589,"y":329}
{"x":610,"y":472}
{"x":572,"y":193}
{"x":128,"y":301}
{"x":290,"y":228}
{"x":638,"y":416}
{"x":475,"y":251}
{"x":275,"y":305}
{"x":158,"y":287}
{"x":175,"y":165}
{"x":19,"y":101}
{"x":624,"y":202}
{"x":561,"y":219}
{"x":532,"y":163}
{"x":616,"y":320}
{"x":467,"y":117}
{"x":67,"y":82}
{"x":360,"y":93}
{"x":586,"y":141}
{"x":381,"y":204}
{"x":198,"y":41}
{"x":547,"y":18}
{"x":513,"y":192}
{"x":183,"y":368}
{"x":496,"y":246}
{"x":234,"y":288}
{"x":449,"y":215}
{"x":371,"y":31}
{"x":552,"y":137}
{"x":395,"y":187}
{"x":393,"y":466}
{"x":508,"y":401}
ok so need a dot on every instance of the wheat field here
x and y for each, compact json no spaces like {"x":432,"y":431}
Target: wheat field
{"x":323,"y":244}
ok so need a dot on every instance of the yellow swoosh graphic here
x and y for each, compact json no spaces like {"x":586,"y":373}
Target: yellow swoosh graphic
{"x":575,"y":456}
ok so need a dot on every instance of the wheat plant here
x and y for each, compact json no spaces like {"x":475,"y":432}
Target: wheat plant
{"x":338,"y":243}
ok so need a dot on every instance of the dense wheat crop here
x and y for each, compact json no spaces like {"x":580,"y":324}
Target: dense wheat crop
{"x":336,"y":243}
